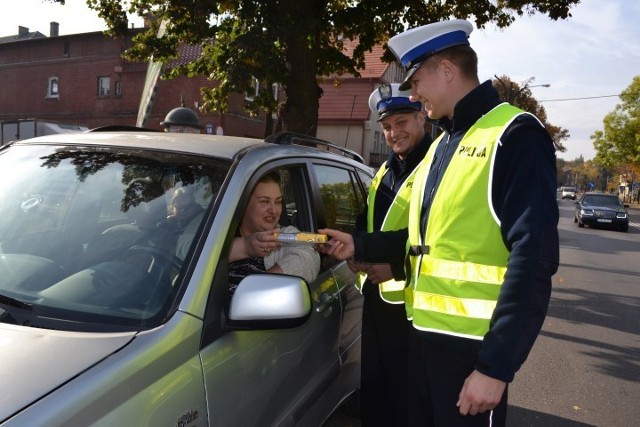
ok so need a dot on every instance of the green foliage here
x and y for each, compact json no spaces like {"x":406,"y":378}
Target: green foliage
{"x":290,"y":42}
{"x":618,"y":144}
{"x":581,"y":173}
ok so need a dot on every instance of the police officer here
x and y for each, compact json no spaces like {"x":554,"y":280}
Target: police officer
{"x":482,"y":239}
{"x":384,"y":323}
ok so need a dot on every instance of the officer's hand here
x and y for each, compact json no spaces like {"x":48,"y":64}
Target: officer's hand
{"x":379,"y":273}
{"x":479,"y":394}
{"x":340,"y":246}
{"x":357,"y":266}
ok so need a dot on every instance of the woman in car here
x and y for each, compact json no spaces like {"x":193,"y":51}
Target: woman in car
{"x":185,"y":217}
{"x":256,"y":250}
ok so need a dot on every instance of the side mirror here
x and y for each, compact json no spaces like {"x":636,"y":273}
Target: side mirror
{"x":270,"y":301}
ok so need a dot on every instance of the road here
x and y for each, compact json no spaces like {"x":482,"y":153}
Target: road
{"x":584,"y":369}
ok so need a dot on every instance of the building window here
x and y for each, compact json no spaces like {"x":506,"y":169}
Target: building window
{"x":253,"y":93}
{"x":118,"y":88}
{"x":52,"y":88}
{"x":103,"y":86}
{"x":66,"y":49}
{"x":380,"y":144}
{"x":275,"y":88}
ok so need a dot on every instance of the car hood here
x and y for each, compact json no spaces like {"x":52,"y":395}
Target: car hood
{"x":33,"y":361}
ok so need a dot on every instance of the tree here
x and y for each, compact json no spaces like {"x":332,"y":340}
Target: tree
{"x":521,"y":97}
{"x":290,"y":42}
{"x":618,"y":144}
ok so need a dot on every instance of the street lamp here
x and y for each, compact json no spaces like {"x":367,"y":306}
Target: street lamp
{"x":512,"y":94}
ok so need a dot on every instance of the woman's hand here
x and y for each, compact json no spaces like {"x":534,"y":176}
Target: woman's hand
{"x":261,"y":243}
{"x":258,"y":244}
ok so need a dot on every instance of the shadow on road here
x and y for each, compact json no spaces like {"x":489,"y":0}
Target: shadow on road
{"x":516,"y":417}
{"x":521,"y":417}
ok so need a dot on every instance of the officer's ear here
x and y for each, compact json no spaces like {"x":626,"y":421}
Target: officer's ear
{"x":448,"y":69}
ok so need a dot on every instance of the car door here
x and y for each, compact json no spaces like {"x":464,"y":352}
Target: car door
{"x":279,"y":376}
{"x":341,"y":198}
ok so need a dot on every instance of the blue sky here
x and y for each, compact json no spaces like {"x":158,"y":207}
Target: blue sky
{"x":585,"y":59}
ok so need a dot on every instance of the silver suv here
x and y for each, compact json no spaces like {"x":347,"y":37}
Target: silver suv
{"x":102,"y":324}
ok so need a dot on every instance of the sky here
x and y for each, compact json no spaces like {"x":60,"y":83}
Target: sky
{"x":587,"y":59}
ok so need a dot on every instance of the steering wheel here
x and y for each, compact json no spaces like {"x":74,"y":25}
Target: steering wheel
{"x":160,"y":253}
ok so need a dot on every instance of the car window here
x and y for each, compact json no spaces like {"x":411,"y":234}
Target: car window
{"x":342,"y":197}
{"x":77,"y":224}
{"x":601,"y":200}
{"x":289,"y":205}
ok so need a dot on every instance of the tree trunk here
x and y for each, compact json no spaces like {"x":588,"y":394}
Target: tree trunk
{"x":300,"y":112}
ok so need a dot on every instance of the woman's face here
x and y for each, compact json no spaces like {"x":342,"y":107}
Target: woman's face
{"x":185,"y":207}
{"x":264,"y":208}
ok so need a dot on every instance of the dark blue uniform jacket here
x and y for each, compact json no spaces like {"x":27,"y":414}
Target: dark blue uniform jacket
{"x":524,"y":198}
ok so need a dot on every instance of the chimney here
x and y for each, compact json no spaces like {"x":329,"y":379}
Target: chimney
{"x":54,"y":29}
{"x":22,"y":31}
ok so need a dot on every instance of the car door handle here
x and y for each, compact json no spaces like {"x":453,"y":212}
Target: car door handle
{"x":326,"y":301}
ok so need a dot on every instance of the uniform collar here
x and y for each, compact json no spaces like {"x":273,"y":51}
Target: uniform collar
{"x":475,"y":104}
{"x":413,"y":158}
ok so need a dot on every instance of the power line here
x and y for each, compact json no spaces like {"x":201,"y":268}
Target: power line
{"x":577,"y":99}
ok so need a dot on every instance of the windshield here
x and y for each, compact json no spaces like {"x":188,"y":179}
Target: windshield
{"x":602,"y":200}
{"x":94,"y":239}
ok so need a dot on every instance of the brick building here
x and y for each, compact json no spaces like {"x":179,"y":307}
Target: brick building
{"x":344,"y":115}
{"x":81,"y":79}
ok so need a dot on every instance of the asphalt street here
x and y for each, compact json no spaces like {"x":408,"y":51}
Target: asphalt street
{"x":584,"y":370}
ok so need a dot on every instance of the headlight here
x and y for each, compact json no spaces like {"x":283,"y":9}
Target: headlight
{"x":587,"y":212}
{"x":621,"y":215}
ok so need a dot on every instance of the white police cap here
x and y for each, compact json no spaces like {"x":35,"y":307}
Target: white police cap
{"x":388,"y":99}
{"x":413,"y":46}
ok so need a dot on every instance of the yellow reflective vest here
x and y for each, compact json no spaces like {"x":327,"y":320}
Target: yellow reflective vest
{"x":396,"y":218}
{"x":458,"y":263}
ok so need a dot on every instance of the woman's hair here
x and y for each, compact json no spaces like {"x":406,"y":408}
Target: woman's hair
{"x":273,"y":176}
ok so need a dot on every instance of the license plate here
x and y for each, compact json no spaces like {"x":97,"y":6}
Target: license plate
{"x":604,"y":220}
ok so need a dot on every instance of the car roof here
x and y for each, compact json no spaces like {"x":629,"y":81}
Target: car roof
{"x":219,"y":146}
{"x":596,"y":193}
{"x":201,"y":144}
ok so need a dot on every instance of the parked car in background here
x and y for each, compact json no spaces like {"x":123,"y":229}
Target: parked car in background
{"x":568,"y":193}
{"x":601,"y":210}
{"x":102,"y":324}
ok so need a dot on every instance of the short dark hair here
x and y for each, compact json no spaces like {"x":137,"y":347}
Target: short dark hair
{"x":463,"y":56}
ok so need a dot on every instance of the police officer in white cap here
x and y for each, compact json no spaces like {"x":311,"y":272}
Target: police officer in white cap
{"x":482,"y":236}
{"x":383,"y":387}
